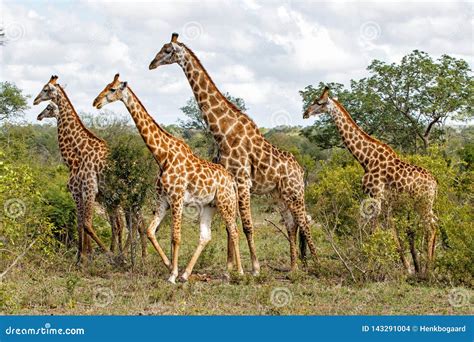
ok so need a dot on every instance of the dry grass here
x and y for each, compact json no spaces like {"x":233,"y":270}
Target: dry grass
{"x":40,"y":285}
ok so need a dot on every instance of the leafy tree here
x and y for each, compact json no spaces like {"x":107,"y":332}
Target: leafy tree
{"x":12,"y":101}
{"x":405,"y":104}
{"x":194,"y":123}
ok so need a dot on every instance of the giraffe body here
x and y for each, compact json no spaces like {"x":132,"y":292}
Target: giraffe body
{"x":386,"y":175}
{"x":184,"y":179}
{"x":258,"y":166}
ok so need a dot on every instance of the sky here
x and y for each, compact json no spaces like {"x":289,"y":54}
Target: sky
{"x":261,"y":51}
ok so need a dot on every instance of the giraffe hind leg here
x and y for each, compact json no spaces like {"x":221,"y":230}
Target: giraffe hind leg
{"x":207,"y":214}
{"x":246,"y":217}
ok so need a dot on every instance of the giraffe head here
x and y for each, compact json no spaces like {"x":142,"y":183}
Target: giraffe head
{"x":319,"y":106}
{"x":51,"y":111}
{"x":170,"y":53}
{"x":49,"y":91}
{"x":114,"y":91}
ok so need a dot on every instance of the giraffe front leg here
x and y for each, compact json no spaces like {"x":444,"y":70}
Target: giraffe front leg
{"x":177,"y":211}
{"x":207,"y":214}
{"x":247,"y":225}
{"x":74,"y":189}
{"x":152,"y":228}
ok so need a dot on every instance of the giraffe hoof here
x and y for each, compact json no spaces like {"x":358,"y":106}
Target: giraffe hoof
{"x":172,"y":280}
{"x":184,"y":277}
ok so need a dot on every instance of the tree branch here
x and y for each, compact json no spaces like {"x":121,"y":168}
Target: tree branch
{"x":279,"y":229}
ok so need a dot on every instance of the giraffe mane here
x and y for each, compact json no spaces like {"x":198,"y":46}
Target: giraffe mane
{"x":230,"y":104}
{"x":88,"y":132}
{"x":367,"y":136}
{"x":169,"y":135}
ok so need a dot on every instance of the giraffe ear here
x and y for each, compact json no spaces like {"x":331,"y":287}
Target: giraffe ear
{"x":123,"y":85}
{"x":174,"y":37}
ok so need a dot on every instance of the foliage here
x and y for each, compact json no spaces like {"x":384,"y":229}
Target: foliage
{"x":195,"y":128}
{"x":12,"y":101}
{"x":335,"y":200}
{"x":405,"y":104}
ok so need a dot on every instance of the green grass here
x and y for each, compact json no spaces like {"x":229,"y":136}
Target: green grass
{"x":54,"y":285}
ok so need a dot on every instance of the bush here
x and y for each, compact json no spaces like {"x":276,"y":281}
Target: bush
{"x":334,"y":200}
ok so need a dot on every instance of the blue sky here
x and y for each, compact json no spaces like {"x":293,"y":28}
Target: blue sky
{"x":262,"y":51}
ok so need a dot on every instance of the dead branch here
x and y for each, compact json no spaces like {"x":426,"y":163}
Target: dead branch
{"x":278,"y":228}
{"x":21,"y":255}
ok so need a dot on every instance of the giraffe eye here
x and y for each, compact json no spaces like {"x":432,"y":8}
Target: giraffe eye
{"x":169,"y":50}
{"x":112,"y":90}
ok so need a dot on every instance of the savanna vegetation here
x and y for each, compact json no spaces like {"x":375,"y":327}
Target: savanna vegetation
{"x":422,"y":107}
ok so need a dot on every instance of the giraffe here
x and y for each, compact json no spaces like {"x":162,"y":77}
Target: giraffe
{"x":184,"y":179}
{"x":84,"y":154}
{"x":258,"y":166}
{"x":386,"y":175}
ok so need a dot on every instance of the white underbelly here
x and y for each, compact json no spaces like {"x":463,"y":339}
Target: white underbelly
{"x":191,"y":199}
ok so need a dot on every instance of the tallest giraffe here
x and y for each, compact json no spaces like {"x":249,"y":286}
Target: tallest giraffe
{"x":258,"y":166}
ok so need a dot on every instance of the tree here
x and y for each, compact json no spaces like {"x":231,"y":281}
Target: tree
{"x":12,"y":101}
{"x":195,"y":128}
{"x":405,"y":104}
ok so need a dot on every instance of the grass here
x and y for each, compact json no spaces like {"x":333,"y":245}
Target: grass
{"x":54,"y":285}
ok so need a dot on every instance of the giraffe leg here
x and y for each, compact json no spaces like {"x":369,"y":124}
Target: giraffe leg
{"x":430,"y":228}
{"x":414,"y":254}
{"x":291,"y":229}
{"x":80,"y":219}
{"x":233,"y":234}
{"x":177,"y":212}
{"x":246,"y":217}
{"x":152,"y":228}
{"x":400,"y":249}
{"x":207,"y":214}
{"x":386,"y":211}
{"x":90,"y":192}
{"x":299,"y":216}
{"x":227,"y":209}
{"x":230,"y":251}
{"x":87,"y":245}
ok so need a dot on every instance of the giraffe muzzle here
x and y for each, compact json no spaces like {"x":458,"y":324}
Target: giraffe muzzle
{"x":97,"y":103}
{"x":153,"y":64}
{"x":37,"y":100}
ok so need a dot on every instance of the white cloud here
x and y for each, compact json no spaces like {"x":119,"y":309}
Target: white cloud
{"x":262,"y":52}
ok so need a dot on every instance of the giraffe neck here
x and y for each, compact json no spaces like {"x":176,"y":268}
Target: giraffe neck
{"x":71,"y":131}
{"x":155,"y":137}
{"x":219,"y":113}
{"x":359,"y":143}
